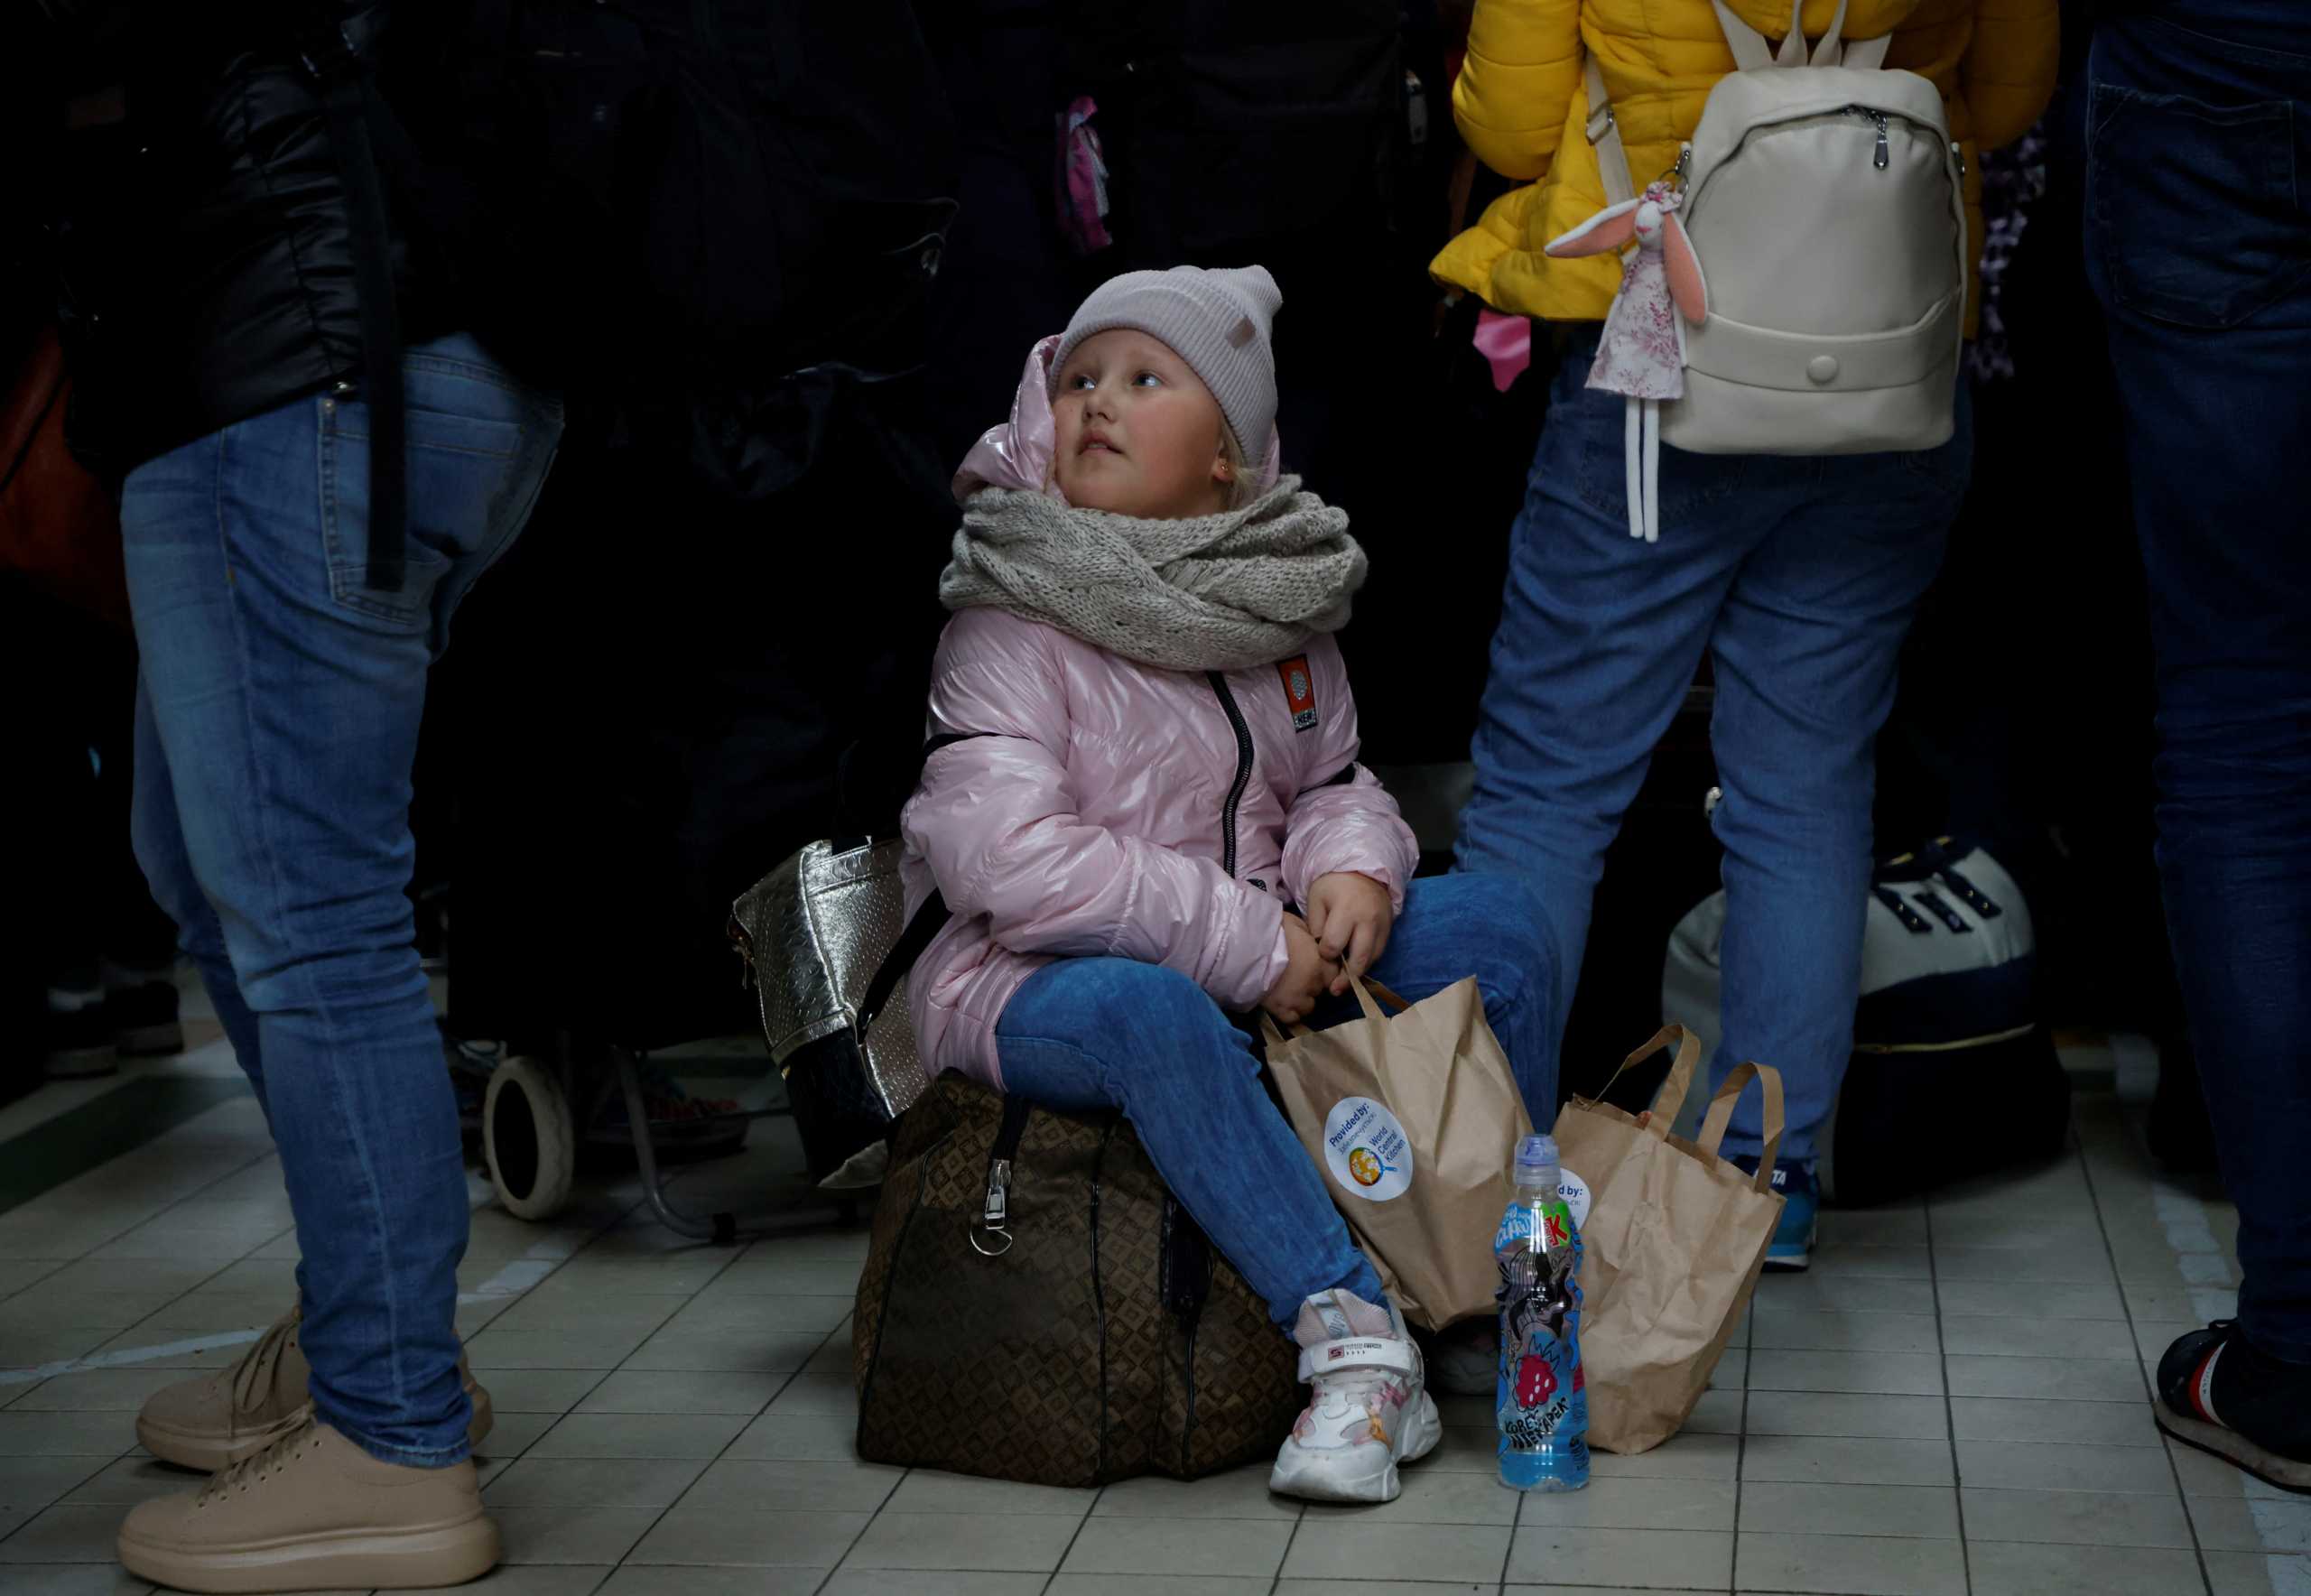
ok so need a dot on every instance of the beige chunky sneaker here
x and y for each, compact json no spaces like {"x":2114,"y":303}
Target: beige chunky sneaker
{"x":212,"y":1420}
{"x":313,"y":1511}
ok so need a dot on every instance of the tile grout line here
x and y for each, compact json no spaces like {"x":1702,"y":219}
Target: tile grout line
{"x":905,"y":1475}
{"x":1741,"y":1432}
{"x":1516,"y":1519}
{"x":14,"y":1401}
{"x":686,"y":1489}
{"x":130,"y":1449}
{"x":1949,"y":1406}
{"x":1081,"y":1524}
{"x":91,"y":1255}
{"x":2126,"y":1306}
{"x":727,"y":1263}
{"x":1299,"y":1519}
{"x":203,"y":1284}
{"x":243,"y":1167}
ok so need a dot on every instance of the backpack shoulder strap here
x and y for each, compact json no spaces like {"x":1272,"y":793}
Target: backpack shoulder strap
{"x":1867,"y":55}
{"x":914,"y":942}
{"x":1751,"y":51}
{"x":1753,"y":54}
{"x":1605,"y":138}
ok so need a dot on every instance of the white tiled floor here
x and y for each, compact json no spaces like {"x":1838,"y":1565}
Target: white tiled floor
{"x":1953,"y":1400}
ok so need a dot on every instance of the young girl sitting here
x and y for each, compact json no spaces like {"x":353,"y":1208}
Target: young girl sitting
{"x":1143,"y":807}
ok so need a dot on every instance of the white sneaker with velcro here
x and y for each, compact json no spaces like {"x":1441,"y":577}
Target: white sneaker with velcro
{"x":1368,"y":1406}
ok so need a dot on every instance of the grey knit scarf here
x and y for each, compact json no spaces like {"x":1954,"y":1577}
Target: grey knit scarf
{"x":1221,"y":592}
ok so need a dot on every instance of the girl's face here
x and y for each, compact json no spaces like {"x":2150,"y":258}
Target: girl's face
{"x":1136,"y":432}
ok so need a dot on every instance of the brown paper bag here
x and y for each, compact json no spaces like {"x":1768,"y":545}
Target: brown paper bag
{"x":1671,"y":1249}
{"x":1413,"y":1122}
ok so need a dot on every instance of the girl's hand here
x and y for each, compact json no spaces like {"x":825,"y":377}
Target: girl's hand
{"x":1303,"y":978}
{"x":1350,"y":915}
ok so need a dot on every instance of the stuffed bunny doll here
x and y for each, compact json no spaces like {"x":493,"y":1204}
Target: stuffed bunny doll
{"x":1641,"y":354}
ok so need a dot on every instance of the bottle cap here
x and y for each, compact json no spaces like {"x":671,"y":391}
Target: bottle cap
{"x":1537,"y":1159}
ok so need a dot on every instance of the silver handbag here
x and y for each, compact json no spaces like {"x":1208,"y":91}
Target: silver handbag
{"x":828,"y":946}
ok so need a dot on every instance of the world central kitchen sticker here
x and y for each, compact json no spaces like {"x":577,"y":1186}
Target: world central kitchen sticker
{"x":1367,"y":1150}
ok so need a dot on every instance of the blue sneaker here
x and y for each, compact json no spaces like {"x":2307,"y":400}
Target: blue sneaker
{"x":1793,"y":1240}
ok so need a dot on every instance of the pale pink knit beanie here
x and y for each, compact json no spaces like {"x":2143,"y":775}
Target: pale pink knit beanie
{"x":1217,"y":320}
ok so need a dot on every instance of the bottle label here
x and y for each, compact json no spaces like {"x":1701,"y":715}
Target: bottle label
{"x":1367,"y":1150}
{"x":1542,"y":1392}
{"x":1543,"y":1376}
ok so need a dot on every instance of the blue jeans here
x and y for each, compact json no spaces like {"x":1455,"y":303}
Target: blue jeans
{"x":277,"y":726}
{"x":1799,"y":577}
{"x":1100,"y":1034}
{"x":2199,"y":240}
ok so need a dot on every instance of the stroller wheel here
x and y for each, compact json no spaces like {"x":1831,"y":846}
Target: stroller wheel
{"x":530,"y":1135}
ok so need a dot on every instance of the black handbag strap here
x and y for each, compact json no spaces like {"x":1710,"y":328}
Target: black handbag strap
{"x":929,"y":920}
{"x":1184,"y":1270}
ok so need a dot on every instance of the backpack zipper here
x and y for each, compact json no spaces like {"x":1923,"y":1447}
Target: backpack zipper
{"x":1878,"y":119}
{"x":1243,"y":771}
{"x":1881,"y":155}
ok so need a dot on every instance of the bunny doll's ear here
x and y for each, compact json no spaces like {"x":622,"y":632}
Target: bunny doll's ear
{"x":1685,"y":284}
{"x":1611,"y":228}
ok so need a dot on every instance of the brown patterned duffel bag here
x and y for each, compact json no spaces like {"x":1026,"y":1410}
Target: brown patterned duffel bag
{"x":1037,"y":1306}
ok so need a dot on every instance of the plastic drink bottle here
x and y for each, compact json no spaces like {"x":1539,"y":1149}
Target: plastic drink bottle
{"x":1542,"y":1401}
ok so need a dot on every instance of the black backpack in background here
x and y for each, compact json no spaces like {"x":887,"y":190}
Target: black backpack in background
{"x":660,"y":207}
{"x":687,"y":191}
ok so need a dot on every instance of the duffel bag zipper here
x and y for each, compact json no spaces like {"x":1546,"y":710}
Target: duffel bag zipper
{"x":991,"y":1236}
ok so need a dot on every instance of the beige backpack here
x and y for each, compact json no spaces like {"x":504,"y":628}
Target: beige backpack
{"x":1823,"y":202}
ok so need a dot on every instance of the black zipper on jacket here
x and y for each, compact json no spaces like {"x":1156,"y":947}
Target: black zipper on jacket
{"x":1243,"y":771}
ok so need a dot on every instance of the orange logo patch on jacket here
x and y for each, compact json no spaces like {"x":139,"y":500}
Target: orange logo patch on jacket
{"x":1299,"y":692}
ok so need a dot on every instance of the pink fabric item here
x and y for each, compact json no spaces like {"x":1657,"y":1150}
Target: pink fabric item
{"x":1080,"y":815}
{"x":1017,"y":453}
{"x":1083,"y":180}
{"x":1506,"y":344}
{"x":1640,"y":353}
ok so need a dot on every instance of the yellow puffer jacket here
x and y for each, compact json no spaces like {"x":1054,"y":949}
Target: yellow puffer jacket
{"x":1521,"y":106}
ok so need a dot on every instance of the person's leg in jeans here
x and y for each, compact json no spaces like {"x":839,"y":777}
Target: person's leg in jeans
{"x":158,"y":839}
{"x":2199,"y":245}
{"x":1805,"y":650}
{"x":1600,"y":634}
{"x":280,"y":700}
{"x":1101,"y":1034}
{"x":1490,"y":927}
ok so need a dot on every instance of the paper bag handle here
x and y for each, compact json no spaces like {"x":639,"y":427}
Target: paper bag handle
{"x":1721,"y":1115}
{"x":1366,"y":991}
{"x":1674,"y":1085}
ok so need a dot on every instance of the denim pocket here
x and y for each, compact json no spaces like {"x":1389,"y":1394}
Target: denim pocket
{"x":1689,"y":482}
{"x":458,"y":469}
{"x":2194,"y":208}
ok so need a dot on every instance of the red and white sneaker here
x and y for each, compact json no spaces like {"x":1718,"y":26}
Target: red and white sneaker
{"x":1369,"y":1409}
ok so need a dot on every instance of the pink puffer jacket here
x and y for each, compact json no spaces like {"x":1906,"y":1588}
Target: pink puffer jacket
{"x":1076,"y":804}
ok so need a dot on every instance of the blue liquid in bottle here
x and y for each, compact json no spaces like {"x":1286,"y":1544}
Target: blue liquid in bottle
{"x":1541,"y":1398}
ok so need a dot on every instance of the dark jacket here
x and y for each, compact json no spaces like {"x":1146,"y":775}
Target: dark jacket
{"x":202,"y":246}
